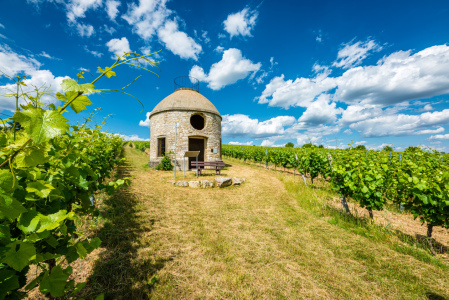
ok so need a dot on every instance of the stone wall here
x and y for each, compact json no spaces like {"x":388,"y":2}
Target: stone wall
{"x":163,"y":125}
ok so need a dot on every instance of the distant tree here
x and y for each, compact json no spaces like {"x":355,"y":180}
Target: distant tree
{"x":387,"y":148}
{"x":308,"y":145}
{"x":290,"y":145}
{"x":320,"y":146}
{"x":360,"y":147}
{"x":412,"y":149}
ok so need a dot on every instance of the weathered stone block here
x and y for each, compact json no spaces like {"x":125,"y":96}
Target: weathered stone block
{"x":238,"y":181}
{"x":194,"y":184}
{"x":182,"y":183}
{"x":223,"y":181}
{"x":206,"y":184}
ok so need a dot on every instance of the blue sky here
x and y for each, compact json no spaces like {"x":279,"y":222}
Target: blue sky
{"x":331,"y":72}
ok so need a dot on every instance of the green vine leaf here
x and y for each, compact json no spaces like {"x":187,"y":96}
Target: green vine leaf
{"x":77,"y":102}
{"x":5,"y":235}
{"x":70,"y":85}
{"x":10,"y":208}
{"x":8,"y":281}
{"x":100,"y":297}
{"x":30,"y":158}
{"x":42,"y":125}
{"x":3,"y":139}
{"x":52,"y":221}
{"x":6,"y":180}
{"x":40,"y":188}
{"x":82,"y":252}
{"x":107,"y":71}
{"x":29,"y":221}
{"x":55,"y":282}
{"x":80,"y":103}
{"x":19,"y":255}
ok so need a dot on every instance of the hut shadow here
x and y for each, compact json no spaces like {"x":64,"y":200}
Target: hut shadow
{"x":122,"y":271}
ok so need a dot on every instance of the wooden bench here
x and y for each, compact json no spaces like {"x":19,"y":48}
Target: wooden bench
{"x":217,"y":165}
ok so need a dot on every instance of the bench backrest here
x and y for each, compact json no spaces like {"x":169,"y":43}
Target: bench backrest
{"x":208,"y":164}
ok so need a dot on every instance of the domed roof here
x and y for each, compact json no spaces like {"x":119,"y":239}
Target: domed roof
{"x":185,"y":99}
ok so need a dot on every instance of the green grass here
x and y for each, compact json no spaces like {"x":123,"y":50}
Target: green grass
{"x":271,"y":238}
{"x":316,"y":200}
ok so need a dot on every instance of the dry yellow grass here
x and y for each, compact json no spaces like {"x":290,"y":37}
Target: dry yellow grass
{"x":256,"y":241}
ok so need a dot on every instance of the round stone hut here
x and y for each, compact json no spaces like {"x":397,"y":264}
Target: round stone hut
{"x":198,"y":129}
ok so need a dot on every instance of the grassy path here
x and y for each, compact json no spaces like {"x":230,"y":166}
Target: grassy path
{"x":256,"y":241}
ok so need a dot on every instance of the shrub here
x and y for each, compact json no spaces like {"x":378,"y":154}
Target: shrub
{"x":165,"y":164}
{"x":413,"y":149}
{"x":388,"y":148}
{"x":308,"y":145}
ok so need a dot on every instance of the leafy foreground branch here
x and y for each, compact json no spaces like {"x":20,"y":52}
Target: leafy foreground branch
{"x":49,"y":172}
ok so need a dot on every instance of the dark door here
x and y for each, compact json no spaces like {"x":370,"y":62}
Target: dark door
{"x":196,"y":145}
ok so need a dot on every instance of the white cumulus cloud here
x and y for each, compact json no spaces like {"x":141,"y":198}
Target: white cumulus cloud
{"x":94,"y":53}
{"x":12,"y":63}
{"x":239,"y":143}
{"x":132,"y":137}
{"x":300,"y":92}
{"x":401,"y":124}
{"x":147,"y":17}
{"x":360,"y":112}
{"x":271,"y":143}
{"x":242,"y":125}
{"x":112,"y":8}
{"x":77,"y":8}
{"x":353,"y":54}
{"x":179,"y":42}
{"x":231,"y":68}
{"x":118,"y":46}
{"x":397,"y":78}
{"x":241,"y":23}
{"x":321,"y":111}
{"x":85,"y":30}
{"x":430,"y":131}
{"x":146,"y":122}
{"x":440,"y":137}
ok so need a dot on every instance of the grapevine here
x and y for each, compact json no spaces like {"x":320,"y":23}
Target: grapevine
{"x":416,"y":179}
{"x":49,"y":171}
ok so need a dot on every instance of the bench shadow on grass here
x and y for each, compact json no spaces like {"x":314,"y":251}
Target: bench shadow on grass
{"x":121,"y":272}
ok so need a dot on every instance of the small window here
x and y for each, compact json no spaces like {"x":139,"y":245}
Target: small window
{"x":160,"y":147}
{"x":197,"y":122}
